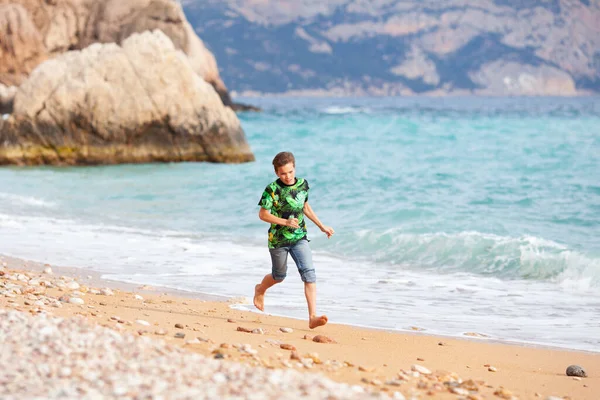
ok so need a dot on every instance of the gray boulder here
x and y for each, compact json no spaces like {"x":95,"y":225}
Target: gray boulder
{"x":106,"y":104}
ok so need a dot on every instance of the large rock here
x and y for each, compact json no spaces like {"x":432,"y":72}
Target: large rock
{"x":33,"y":30}
{"x":139,"y":102}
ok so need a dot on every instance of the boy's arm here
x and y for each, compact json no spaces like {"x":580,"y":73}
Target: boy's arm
{"x":266,"y":216}
{"x":308,"y":211}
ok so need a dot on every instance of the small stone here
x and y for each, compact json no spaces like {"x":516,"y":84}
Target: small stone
{"x":231,"y":320}
{"x":323,"y":339}
{"x":48,"y":271}
{"x":420,"y":369}
{"x":315,"y":358}
{"x":576,"y":370}
{"x":394,"y":382}
{"x":459,"y":391}
{"x":107,"y":292}
{"x":138,"y":297}
{"x":219,"y":356}
{"x":503,"y":393}
{"x":285,"y":346}
{"x":76,"y":301}
{"x":365,"y":369}
{"x":420,"y":359}
{"x":258,"y":331}
{"x":242,"y":329}
{"x":440,"y":343}
{"x":179,"y":335}
{"x":142,"y":322}
{"x":576,"y":378}
{"x":286,"y":330}
{"x":225,"y":346}
{"x":179,"y":326}
{"x":73,"y":285}
{"x":160,"y":332}
{"x":492,"y":369}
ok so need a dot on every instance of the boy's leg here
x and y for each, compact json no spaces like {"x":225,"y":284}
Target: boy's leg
{"x":303,"y":257}
{"x":310,"y":291}
{"x":260,"y":289}
{"x":277,"y":275}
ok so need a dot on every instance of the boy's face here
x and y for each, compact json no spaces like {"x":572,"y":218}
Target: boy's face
{"x":287,"y":173}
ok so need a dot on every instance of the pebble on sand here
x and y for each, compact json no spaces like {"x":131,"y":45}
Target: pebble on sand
{"x":76,"y":300}
{"x":576,"y":370}
{"x":323,"y":339}
{"x":420,"y":369}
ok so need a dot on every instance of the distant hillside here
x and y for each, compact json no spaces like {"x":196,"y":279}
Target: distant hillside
{"x":403,"y":47}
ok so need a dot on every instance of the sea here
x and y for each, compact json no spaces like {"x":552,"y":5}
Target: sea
{"x":453,"y":216}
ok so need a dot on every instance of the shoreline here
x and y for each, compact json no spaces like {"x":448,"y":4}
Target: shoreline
{"x":96,"y":278}
{"x":379,"y":360}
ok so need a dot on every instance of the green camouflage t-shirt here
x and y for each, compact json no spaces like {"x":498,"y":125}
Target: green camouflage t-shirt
{"x":285,"y":202}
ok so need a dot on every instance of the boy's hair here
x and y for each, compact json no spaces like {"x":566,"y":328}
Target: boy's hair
{"x":283,"y":158}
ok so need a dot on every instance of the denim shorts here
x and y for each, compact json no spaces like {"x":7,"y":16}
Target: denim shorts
{"x":302,"y":256}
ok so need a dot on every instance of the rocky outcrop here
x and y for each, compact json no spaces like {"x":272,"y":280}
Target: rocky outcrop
{"x":139,"y":102}
{"x":34,"y":30}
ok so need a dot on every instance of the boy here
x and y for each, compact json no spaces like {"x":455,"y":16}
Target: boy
{"x":283,"y":204}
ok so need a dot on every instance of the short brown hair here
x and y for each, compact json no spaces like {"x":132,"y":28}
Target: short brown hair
{"x":283,"y":158}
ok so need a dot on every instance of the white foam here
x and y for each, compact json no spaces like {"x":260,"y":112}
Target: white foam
{"x":345,"y":110}
{"x":16,"y":199}
{"x":447,"y":303}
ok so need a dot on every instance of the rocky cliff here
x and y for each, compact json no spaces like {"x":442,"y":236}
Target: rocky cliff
{"x":32,"y":31}
{"x":404,"y":47}
{"x":79,"y":84}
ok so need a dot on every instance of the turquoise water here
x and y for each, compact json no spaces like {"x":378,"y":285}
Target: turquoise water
{"x":453,"y":215}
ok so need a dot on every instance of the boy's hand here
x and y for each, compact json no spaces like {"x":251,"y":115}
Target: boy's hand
{"x":292,"y":223}
{"x":328,"y":231}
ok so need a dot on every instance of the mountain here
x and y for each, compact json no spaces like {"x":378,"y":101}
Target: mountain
{"x":403,"y":47}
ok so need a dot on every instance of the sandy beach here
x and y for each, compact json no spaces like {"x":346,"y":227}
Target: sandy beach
{"x":416,"y":365}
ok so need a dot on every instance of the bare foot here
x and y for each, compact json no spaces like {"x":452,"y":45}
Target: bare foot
{"x":259,"y":299}
{"x":315,"y":321}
